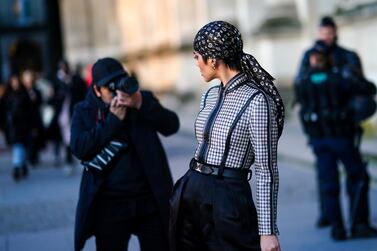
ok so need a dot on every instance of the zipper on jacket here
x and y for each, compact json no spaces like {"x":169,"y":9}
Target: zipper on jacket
{"x":209,"y":124}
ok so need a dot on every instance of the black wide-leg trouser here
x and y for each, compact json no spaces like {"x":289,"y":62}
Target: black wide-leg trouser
{"x":213,"y":214}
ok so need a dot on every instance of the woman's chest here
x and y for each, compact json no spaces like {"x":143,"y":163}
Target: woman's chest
{"x":222,"y":116}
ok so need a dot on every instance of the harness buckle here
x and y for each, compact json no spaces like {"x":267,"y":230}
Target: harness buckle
{"x":249,"y":175}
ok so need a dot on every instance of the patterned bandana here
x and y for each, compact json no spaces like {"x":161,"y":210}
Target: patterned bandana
{"x":221,"y":40}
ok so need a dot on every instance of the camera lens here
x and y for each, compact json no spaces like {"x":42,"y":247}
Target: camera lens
{"x":112,"y":86}
{"x":128,"y":85}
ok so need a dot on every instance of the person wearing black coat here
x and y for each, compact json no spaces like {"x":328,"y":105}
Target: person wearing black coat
{"x":329,"y":121}
{"x":36,"y":137}
{"x":129,"y":194}
{"x":347,"y":64}
{"x":17,"y":107}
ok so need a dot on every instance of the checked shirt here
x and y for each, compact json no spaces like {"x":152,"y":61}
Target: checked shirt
{"x":236,"y":127}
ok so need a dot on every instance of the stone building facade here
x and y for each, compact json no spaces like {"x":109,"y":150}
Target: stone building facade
{"x":153,"y":37}
{"x":30,"y":36}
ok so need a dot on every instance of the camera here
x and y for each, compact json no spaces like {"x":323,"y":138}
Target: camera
{"x":127,"y":84}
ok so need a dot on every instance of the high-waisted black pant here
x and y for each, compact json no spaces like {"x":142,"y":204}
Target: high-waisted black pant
{"x":213,"y":214}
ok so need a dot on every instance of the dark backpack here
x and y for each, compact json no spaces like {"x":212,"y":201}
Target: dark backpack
{"x":362,"y":103}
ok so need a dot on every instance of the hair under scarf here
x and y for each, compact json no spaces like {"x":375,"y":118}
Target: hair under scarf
{"x":221,"y":40}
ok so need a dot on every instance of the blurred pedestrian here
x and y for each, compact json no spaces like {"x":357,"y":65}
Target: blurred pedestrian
{"x":126,"y":182}
{"x":69,"y":89}
{"x":46,"y":89}
{"x":329,"y":81}
{"x":88,"y":75}
{"x":2,"y":107}
{"x":78,"y":89}
{"x":17,"y":106}
{"x":36,"y":137}
{"x":238,"y":125}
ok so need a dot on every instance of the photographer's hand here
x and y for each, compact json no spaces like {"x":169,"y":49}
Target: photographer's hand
{"x":134,"y":101}
{"x":118,"y":109}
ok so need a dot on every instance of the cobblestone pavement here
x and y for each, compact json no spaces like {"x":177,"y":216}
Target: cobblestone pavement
{"x":38,"y":213}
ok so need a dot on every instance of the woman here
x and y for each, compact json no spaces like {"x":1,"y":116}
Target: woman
{"x":238,"y":125}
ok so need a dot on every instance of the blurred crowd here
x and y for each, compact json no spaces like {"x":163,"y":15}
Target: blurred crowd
{"x":35,"y":112}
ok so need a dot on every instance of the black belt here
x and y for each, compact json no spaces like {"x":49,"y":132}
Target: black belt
{"x":214,"y":170}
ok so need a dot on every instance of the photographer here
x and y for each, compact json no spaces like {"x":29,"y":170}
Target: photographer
{"x":325,"y":95}
{"x":126,"y":181}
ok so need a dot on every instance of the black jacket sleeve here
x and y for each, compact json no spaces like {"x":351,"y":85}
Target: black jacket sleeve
{"x":159,"y":118}
{"x":87,"y":142}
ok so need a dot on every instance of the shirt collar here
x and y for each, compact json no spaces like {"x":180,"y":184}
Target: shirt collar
{"x":236,"y":81}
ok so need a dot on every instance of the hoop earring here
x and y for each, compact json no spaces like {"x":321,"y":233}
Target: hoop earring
{"x":213,"y":64}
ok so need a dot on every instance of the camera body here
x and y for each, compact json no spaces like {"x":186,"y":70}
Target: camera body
{"x":127,"y":84}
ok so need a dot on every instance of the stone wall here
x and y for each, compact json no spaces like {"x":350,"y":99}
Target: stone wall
{"x":154,"y":37}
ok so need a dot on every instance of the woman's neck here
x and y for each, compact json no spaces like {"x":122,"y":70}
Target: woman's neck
{"x":227,"y":74}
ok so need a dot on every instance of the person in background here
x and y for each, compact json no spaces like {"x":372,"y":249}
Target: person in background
{"x":239,"y":123}
{"x":47,"y":92}
{"x":36,"y":137}
{"x":17,"y":107}
{"x":2,"y":107}
{"x":88,"y":75}
{"x":325,"y":93}
{"x":69,"y":89}
{"x":344,"y":61}
{"x":126,"y":181}
{"x":78,"y":89}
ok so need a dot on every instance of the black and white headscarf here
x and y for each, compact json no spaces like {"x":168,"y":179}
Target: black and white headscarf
{"x":221,"y":40}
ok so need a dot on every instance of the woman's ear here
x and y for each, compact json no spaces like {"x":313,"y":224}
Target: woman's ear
{"x":213,"y":64}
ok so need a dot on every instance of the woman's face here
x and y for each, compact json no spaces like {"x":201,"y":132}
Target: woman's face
{"x":207,"y":72}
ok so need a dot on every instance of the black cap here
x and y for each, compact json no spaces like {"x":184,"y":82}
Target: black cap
{"x":327,"y":21}
{"x":106,"y":69}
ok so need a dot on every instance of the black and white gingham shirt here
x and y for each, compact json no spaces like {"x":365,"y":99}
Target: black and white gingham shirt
{"x":246,"y":114}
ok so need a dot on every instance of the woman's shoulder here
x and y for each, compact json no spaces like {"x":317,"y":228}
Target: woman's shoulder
{"x":211,"y":92}
{"x":213,"y":89}
{"x":258,"y":95}
{"x":251,"y":84}
{"x":209,"y":95}
{"x":250,"y":88}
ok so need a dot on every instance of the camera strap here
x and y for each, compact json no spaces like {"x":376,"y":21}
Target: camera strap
{"x":100,"y":117}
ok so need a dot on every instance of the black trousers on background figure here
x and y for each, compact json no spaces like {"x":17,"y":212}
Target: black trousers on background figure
{"x":212,"y":214}
{"x":329,"y":152}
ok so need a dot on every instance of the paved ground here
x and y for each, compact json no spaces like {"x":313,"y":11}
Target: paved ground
{"x":38,"y":213}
